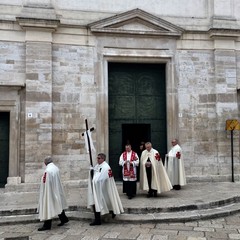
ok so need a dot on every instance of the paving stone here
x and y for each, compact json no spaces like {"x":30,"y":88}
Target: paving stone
{"x":191,"y":233}
{"x":217,"y":235}
{"x":56,"y":237}
{"x":75,"y":237}
{"x":196,"y":238}
{"x":174,"y":227}
{"x":144,"y":236}
{"x":204,"y":223}
{"x":226,"y":231}
{"x":128,"y":235}
{"x":111,"y":235}
{"x":204,"y":229}
{"x":140,"y":230}
{"x":160,"y":237}
{"x":234,"y":236}
{"x":191,"y":224}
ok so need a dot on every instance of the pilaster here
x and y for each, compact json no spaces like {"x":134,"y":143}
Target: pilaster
{"x":225,"y":60}
{"x":38,"y":23}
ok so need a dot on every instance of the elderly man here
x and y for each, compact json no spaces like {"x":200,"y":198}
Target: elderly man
{"x":153,"y":176}
{"x":175,"y":166}
{"x":103,"y":196}
{"x":52,"y":200}
{"x":129,"y":161}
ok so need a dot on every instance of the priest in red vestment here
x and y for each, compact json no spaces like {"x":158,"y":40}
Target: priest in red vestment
{"x":129,"y":161}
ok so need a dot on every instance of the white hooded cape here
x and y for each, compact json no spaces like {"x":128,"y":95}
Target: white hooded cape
{"x":102,"y":191}
{"x":160,"y":180}
{"x":175,"y":166}
{"x":52,"y":198}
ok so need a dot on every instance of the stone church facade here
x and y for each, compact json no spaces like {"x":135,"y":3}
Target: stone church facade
{"x":54,"y":73}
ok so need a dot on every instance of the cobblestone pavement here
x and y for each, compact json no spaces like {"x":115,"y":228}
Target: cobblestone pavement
{"x":219,"y":228}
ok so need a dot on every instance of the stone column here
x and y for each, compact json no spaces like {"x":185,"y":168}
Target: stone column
{"x":38,"y":102}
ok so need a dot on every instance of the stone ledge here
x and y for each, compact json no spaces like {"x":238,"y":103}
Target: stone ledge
{"x":181,"y":216}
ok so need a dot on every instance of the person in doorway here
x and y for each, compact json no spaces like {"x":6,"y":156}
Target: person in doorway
{"x":153,"y":176}
{"x":142,"y":147}
{"x":52,"y":201}
{"x":129,"y":161}
{"x":103,"y":196}
{"x":175,"y":166}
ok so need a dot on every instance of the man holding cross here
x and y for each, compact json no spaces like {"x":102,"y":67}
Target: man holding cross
{"x":103,"y":196}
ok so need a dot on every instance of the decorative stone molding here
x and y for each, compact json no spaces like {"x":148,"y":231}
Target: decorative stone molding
{"x":136,"y":22}
{"x":224,"y":27}
{"x":224,"y":33}
{"x":38,"y":17}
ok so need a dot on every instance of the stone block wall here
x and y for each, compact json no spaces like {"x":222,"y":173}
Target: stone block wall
{"x":207,"y":98}
{"x":12,"y":63}
{"x":74,"y":100}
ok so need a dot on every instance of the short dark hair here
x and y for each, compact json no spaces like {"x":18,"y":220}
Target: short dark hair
{"x":102,"y":155}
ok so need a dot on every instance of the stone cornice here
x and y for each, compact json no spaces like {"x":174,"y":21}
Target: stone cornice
{"x":224,"y":33}
{"x":43,"y":24}
{"x":40,"y":18}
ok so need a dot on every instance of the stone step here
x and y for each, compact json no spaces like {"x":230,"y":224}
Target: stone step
{"x":181,"y":216}
{"x":193,"y":201}
{"x":142,"y":215}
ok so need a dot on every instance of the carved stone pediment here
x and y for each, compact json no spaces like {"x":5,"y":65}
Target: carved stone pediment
{"x":135,"y":22}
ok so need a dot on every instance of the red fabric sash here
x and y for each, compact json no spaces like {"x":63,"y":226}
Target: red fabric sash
{"x":129,"y":171}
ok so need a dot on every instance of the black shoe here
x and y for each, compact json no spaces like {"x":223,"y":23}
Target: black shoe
{"x":95,"y":223}
{"x":44,"y":228}
{"x":113,"y":214}
{"x":176,"y":187}
{"x":149,"y":195}
{"x":155,"y":194}
{"x":129,"y":197}
{"x":62,"y":223}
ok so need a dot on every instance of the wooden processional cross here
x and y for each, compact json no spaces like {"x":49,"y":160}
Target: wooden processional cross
{"x":89,"y":145}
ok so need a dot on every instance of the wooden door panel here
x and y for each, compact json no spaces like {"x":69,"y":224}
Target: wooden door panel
{"x":122,"y":107}
{"x":120,"y":83}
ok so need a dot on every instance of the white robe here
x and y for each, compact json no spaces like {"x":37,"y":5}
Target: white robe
{"x":52,"y":198}
{"x":135,"y":163}
{"x":102,"y":191}
{"x":160,"y":180}
{"x":175,"y":166}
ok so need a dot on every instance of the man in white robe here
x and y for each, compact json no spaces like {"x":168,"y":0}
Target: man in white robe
{"x":103,"y":196}
{"x":153,"y":176}
{"x":175,"y":166}
{"x":129,"y":161}
{"x":52,"y":201}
